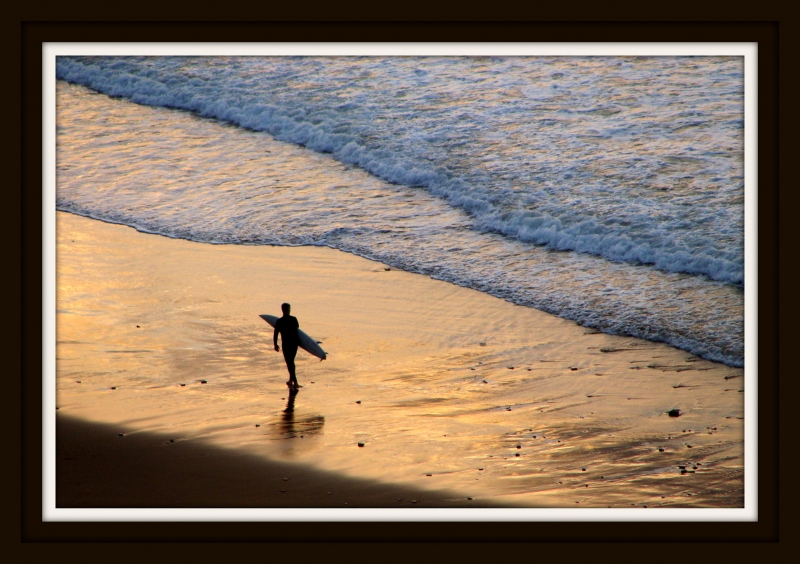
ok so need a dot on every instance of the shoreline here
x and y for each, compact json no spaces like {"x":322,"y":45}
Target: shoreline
{"x":687,"y":349}
{"x":460,"y":394}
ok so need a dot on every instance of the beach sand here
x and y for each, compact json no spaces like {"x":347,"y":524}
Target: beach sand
{"x":170,"y":394}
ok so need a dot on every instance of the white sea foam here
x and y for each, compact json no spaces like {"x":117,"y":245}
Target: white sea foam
{"x":630,"y":159}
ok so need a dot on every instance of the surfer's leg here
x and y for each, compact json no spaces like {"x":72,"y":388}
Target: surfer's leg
{"x":288,"y":355}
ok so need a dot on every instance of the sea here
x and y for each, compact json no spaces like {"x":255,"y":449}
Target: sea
{"x":606,"y":190}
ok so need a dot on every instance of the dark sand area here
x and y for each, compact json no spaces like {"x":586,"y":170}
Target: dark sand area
{"x":96,"y":467}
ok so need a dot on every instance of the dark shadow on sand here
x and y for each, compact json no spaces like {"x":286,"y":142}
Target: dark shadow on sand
{"x":96,"y":467}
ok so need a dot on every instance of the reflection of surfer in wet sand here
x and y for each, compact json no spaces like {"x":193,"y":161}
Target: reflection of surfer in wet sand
{"x":287,"y":326}
{"x":288,"y":413}
{"x":304,"y":426}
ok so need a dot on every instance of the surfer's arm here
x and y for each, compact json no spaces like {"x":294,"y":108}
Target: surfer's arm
{"x":275,"y":338}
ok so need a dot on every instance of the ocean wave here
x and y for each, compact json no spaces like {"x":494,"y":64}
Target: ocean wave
{"x":609,"y":171}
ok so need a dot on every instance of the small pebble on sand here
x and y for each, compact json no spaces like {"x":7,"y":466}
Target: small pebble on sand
{"x":113,"y":387}
{"x":361,"y":444}
{"x":359,"y":401}
{"x":203,"y":381}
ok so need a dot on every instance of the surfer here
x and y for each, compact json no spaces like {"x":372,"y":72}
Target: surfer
{"x":287,"y":326}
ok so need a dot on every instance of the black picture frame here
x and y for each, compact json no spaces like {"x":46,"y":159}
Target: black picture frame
{"x":773,"y":35}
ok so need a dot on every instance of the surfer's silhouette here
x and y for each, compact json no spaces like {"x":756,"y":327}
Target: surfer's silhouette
{"x":287,"y":327}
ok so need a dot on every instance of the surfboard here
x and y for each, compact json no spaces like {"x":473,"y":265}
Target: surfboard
{"x":306,"y":343}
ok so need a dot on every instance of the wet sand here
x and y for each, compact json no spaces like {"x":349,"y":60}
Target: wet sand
{"x":454,"y":394}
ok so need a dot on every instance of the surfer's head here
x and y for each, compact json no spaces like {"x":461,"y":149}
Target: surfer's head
{"x":286,"y":308}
